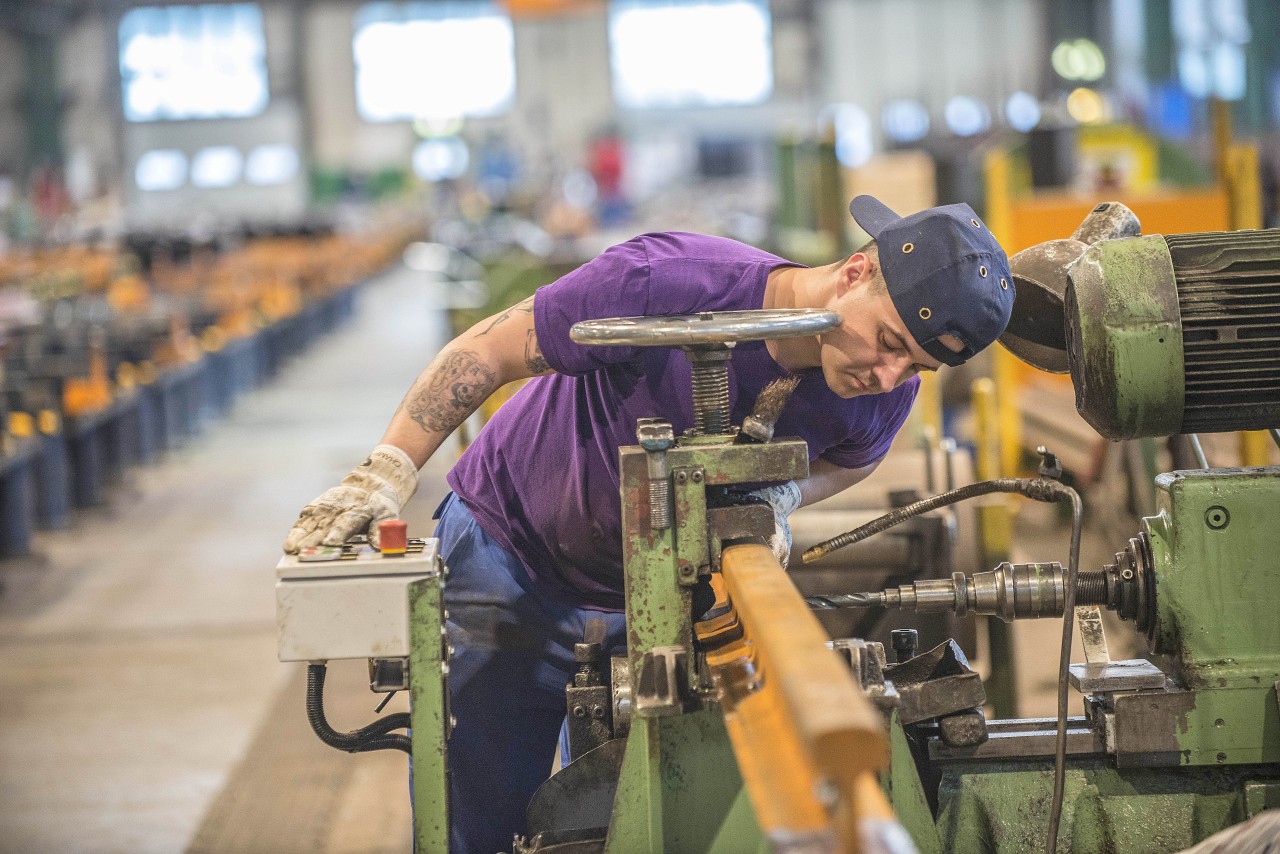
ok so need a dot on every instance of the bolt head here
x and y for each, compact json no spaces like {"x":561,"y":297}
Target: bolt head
{"x":655,"y":436}
{"x":579,"y":711}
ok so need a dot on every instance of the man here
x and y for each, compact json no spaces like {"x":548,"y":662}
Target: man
{"x":532,"y":533}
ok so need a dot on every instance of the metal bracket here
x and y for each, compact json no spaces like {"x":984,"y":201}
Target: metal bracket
{"x":1111,"y":676}
{"x":866,"y":660}
{"x":661,"y":686}
{"x":692,"y":558}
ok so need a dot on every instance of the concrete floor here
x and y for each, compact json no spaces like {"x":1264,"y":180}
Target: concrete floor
{"x":137,"y":650}
{"x":142,"y":708}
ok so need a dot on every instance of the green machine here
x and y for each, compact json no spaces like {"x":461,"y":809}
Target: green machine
{"x":1162,"y":335}
{"x":746,"y":729}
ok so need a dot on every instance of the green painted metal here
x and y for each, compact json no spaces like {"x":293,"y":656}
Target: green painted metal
{"x":658,"y":597}
{"x":1216,"y":553}
{"x":657,"y":604}
{"x":693,"y":556}
{"x":680,"y":790}
{"x":1125,"y":338}
{"x":906,"y":795}
{"x":1002,"y":808}
{"x":429,"y":714}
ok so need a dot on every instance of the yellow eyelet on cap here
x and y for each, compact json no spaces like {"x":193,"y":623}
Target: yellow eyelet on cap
{"x":925,"y":314}
{"x":1003,"y":283}
{"x":908,"y":248}
{"x":976,"y":224}
{"x":982,"y":271}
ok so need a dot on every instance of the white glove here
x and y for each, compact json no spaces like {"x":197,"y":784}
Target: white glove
{"x":784,"y":499}
{"x":373,"y":492}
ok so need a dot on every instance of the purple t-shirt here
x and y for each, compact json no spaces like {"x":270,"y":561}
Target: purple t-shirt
{"x":542,"y":477}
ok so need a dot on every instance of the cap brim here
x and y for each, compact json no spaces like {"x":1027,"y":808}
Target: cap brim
{"x":872,"y":214}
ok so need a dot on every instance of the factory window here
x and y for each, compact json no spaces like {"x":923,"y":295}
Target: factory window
{"x":690,"y":53}
{"x":272,"y":164}
{"x":441,"y":159}
{"x":216,"y":166}
{"x":433,"y":60}
{"x":161,"y":169}
{"x":1211,"y":36}
{"x":193,"y":62}
{"x":851,"y":127}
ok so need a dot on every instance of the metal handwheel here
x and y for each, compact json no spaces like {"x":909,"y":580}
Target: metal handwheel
{"x":707,"y":328}
{"x":708,"y":339}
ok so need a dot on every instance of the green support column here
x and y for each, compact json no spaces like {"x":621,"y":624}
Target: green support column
{"x":429,"y":714}
{"x":40,"y":99}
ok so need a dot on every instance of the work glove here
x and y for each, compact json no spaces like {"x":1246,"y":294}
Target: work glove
{"x":373,"y":492}
{"x":784,"y":499}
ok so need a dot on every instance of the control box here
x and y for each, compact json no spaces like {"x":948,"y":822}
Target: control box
{"x":349,"y":602}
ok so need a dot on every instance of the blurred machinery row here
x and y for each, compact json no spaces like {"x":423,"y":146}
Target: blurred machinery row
{"x":114,"y":354}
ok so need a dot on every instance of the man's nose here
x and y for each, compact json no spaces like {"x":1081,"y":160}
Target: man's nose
{"x":890,"y":372}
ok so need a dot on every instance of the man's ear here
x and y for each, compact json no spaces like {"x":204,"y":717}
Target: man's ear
{"x":856,"y":267}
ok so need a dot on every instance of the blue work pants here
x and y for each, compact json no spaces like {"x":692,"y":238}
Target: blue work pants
{"x":513,"y":656}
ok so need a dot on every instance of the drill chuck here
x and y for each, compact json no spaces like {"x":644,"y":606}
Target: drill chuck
{"x":1010,"y":592}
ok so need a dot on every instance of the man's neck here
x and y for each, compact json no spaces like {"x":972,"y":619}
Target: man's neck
{"x":798,"y":287}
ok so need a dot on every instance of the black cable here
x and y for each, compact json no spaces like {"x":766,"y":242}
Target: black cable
{"x":374,"y":736}
{"x":1064,"y":664}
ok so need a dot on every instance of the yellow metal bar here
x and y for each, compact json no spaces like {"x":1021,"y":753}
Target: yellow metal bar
{"x":1255,"y":448}
{"x":994,"y":519}
{"x":807,"y":741}
{"x":1244,"y":186}
{"x":1009,"y":424}
{"x":928,"y":408}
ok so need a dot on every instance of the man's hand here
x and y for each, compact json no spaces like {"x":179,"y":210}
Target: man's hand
{"x":375,"y":490}
{"x":784,"y":499}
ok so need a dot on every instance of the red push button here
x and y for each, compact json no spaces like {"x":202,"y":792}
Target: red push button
{"x":393,"y":537}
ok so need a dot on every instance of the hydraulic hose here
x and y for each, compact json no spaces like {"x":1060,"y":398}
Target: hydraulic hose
{"x":374,"y":736}
{"x":1039,"y":489}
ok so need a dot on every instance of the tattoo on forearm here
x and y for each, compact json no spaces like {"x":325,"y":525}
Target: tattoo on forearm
{"x":455,"y":385}
{"x":525,"y":305}
{"x":533,"y":359}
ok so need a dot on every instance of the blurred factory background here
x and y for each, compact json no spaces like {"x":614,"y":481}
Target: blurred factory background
{"x":232,"y":233}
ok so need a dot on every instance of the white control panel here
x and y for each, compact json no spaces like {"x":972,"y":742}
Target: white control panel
{"x":349,"y":602}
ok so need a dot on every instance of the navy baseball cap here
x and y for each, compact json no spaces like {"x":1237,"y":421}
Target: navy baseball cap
{"x":946,"y":274}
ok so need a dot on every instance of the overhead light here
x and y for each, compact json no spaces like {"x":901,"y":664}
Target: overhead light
{"x":1078,"y":59}
{"x":966,"y":116}
{"x":1022,"y":111}
{"x":904,"y":120}
{"x":1086,"y":106}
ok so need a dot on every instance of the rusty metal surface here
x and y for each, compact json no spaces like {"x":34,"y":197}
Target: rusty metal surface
{"x":580,"y":795}
{"x":1024,"y":738}
{"x":935,"y":683}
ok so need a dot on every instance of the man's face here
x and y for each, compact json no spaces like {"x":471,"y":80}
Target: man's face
{"x":871,"y":351}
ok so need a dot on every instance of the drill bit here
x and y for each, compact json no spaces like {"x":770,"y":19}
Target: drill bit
{"x":759,"y":424}
{"x":833,"y":601}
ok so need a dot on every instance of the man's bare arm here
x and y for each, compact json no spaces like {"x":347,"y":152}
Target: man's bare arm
{"x":827,"y":479}
{"x":495,"y":351}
